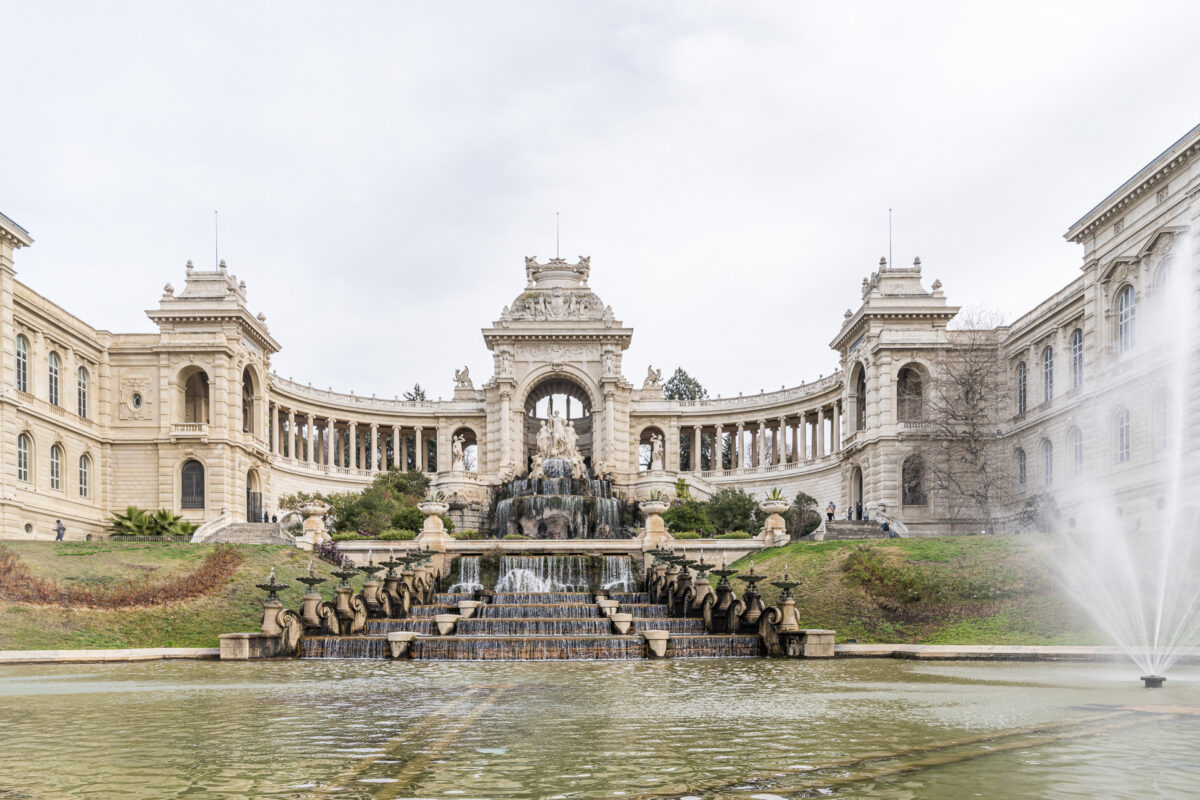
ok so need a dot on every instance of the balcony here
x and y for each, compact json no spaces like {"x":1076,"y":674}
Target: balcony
{"x":194,"y":431}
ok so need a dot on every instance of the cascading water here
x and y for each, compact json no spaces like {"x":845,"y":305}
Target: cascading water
{"x":558,"y":506}
{"x":542,"y":609}
{"x":542,"y":574}
{"x":468,"y":575}
{"x":617,"y":574}
{"x":1142,"y":586}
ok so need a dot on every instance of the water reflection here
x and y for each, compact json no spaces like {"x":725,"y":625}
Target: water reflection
{"x":529,"y":730}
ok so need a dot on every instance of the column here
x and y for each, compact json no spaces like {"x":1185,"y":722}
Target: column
{"x":291,"y":434}
{"x":781,"y":436}
{"x":397,"y":447}
{"x":837,"y":426}
{"x":737,"y":449}
{"x":820,"y":437}
{"x":373,"y":461}
{"x":275,"y":428}
{"x":352,"y":445}
{"x":753,"y":448}
{"x":339,"y":458}
{"x":420,"y":440}
{"x":505,"y":444}
{"x":695,"y":448}
{"x":610,"y":439}
{"x":311,"y":432}
{"x":762,"y":443}
{"x":719,"y":448}
{"x":361,"y":446}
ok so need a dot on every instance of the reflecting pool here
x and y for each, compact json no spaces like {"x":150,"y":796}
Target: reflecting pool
{"x":695,"y":728}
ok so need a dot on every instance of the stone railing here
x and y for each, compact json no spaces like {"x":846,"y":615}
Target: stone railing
{"x":790,"y":466}
{"x":196,"y":429}
{"x":370,"y":403}
{"x":919,"y":426}
{"x":802,"y":391}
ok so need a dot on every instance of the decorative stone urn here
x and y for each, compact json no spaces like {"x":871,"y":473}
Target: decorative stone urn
{"x":774,"y":530}
{"x":656,"y":530}
{"x":314,"y":524}
{"x":433,"y":534}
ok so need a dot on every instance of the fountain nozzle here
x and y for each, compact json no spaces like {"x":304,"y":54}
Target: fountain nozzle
{"x":1153,"y":681}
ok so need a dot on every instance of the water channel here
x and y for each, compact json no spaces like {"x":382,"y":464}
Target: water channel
{"x":689,"y":728}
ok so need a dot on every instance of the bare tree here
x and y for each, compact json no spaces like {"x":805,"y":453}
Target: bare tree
{"x":966,"y":464}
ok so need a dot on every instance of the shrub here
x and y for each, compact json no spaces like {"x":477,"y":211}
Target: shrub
{"x":136,"y":522}
{"x":688,"y":516}
{"x":513,"y":536}
{"x":397,"y":536}
{"x":735,"y":535}
{"x":348,"y":536}
{"x":732,"y":510}
{"x":686,"y":535}
{"x":469,"y":535}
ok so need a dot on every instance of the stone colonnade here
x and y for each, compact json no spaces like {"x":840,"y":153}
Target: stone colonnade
{"x":791,"y":438}
{"x":325,"y":441}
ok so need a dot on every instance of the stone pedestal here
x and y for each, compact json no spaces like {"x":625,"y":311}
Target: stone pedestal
{"x":466,"y":608}
{"x":622,"y":622}
{"x":656,"y":643}
{"x":445,"y":623}
{"x":608,"y":607}
{"x":656,"y":534}
{"x":774,"y":530}
{"x":400,"y":643}
{"x":247,"y":646}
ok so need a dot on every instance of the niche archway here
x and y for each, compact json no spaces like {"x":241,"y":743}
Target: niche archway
{"x":561,"y":396}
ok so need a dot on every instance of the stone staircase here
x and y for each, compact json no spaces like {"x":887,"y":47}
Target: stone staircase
{"x":253,"y":533}
{"x":852,"y":529}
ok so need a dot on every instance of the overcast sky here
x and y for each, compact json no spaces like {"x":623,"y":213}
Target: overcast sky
{"x":382,"y":169}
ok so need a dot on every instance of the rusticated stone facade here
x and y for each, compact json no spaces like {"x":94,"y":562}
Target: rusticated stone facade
{"x":192,"y":418}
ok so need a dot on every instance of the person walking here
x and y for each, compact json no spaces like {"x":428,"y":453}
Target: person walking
{"x":829,"y":510}
{"x":266,"y":516}
{"x":59,"y":530}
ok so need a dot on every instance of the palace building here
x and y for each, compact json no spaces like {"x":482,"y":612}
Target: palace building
{"x":192,"y":418}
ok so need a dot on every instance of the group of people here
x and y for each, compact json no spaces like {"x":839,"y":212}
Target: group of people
{"x":857,"y":512}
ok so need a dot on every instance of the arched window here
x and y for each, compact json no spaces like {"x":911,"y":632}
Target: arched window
{"x":1126,"y":317}
{"x":81,"y":382}
{"x":860,"y":398}
{"x":195,"y":396}
{"x":909,"y":396}
{"x":1021,"y":471}
{"x":1075,"y":441}
{"x":1022,"y":382}
{"x":1123,"y":435}
{"x":1076,"y":358}
{"x":85,"y":469}
{"x":22,"y":363}
{"x":56,"y":468}
{"x":1048,"y":374}
{"x":192,"y":495}
{"x":1048,"y":462}
{"x":52,"y":386}
{"x":912,"y":478}
{"x":23,"y":448}
{"x":247,"y":402}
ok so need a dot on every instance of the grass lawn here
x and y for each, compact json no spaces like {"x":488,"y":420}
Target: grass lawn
{"x":951,"y":590}
{"x":192,"y":623}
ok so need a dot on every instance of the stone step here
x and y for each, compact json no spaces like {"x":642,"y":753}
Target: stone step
{"x":253,"y":533}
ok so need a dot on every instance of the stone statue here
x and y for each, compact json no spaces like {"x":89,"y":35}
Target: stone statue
{"x":545,"y":441}
{"x":609,"y":361}
{"x":456,"y":449}
{"x":653,"y":378}
{"x":656,"y":451}
{"x":462,"y":378}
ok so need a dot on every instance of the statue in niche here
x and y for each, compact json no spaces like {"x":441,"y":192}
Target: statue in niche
{"x":609,"y":360}
{"x":656,"y":451}
{"x":462,"y":378}
{"x":456,"y":450}
{"x":557,"y":438}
